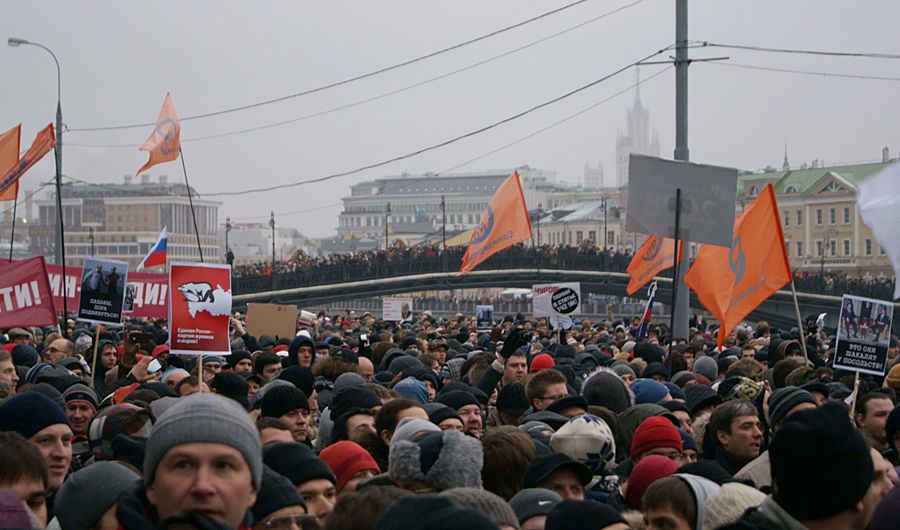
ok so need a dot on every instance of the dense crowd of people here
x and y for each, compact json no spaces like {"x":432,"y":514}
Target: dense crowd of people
{"x":358,"y":423}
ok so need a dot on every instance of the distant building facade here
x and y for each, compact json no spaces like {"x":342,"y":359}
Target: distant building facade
{"x":638,"y":138}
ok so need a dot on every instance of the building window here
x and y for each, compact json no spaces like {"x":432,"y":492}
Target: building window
{"x":787,"y":248}
{"x":847,"y":215}
{"x":868,"y":247}
{"x":799,"y":249}
{"x":846,"y":247}
{"x":832,"y":216}
{"x":579,"y":236}
{"x":592,"y":235}
{"x":881,"y":250}
{"x":832,"y":248}
{"x":787,"y":219}
{"x":818,"y":216}
{"x":819,"y":247}
{"x":610,"y":237}
{"x":799,"y":217}
{"x":754,"y":191}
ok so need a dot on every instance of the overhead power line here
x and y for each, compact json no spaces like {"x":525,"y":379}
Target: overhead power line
{"x":806,"y":72}
{"x":705,"y":44}
{"x":348,"y":80}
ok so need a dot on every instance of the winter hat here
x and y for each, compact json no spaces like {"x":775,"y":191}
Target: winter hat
{"x":434,"y":512}
{"x":347,"y":458}
{"x":457,"y":399}
{"x":682,"y":378}
{"x":204,"y":418}
{"x":783,"y":400}
{"x":567,"y":402}
{"x":742,"y":388}
{"x":708,"y":469}
{"x":702,"y":489}
{"x":352,"y":398}
{"x":83,"y":393}
{"x":13,"y":514}
{"x":296,"y":462}
{"x":348,"y":380}
{"x":544,"y":466}
{"x":231,"y":385}
{"x":301,"y":377}
{"x":650,"y":469}
{"x":655,"y":432}
{"x":648,"y":391}
{"x":128,"y":419}
{"x":86,"y":494}
{"x":622,"y":369}
{"x":25,"y":355}
{"x":410,"y":428}
{"x":687,"y":441}
{"x":707,"y":367}
{"x":796,"y":468}
{"x":629,"y":420}
{"x":29,"y":413}
{"x":413,"y":389}
{"x":282,"y":399}
{"x":488,"y":503}
{"x":586,"y":439}
{"x":675,"y":391}
{"x":447,"y":459}
{"x":606,"y":389}
{"x":532,"y":502}
{"x":655,"y":368}
{"x":540,"y":362}
{"x":512,"y":400}
{"x":568,"y":515}
{"x":728,"y":504}
{"x":699,"y":397}
{"x":276,"y":493}
{"x":438,"y":412}
{"x":402,"y":363}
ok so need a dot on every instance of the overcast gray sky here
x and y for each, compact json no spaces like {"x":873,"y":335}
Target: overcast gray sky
{"x":118,"y":59}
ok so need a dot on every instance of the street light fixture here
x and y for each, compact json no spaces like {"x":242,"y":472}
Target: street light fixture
{"x":227,"y":229}
{"x":387,"y":220}
{"x":272,"y":224}
{"x":60,"y":254}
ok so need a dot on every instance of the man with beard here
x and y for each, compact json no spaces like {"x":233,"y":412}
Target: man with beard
{"x":357,"y":425}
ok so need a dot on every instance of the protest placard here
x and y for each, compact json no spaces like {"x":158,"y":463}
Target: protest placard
{"x":396,"y":309}
{"x":275,"y":320}
{"x":484,"y":317}
{"x":102,"y":291}
{"x":25,"y":298}
{"x":199,"y":308}
{"x":864,"y":334}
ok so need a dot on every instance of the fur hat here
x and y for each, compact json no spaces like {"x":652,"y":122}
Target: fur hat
{"x":447,"y":459}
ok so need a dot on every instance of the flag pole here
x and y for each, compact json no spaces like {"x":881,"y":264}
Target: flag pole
{"x":191,"y":201}
{"x":94,"y":358}
{"x":799,"y":321}
{"x":674,"y":279}
{"x":12,"y":234}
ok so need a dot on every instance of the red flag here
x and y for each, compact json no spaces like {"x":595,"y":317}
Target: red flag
{"x":43,"y":143}
{"x":503,"y":224}
{"x":25,"y":297}
{"x":732,"y":282}
{"x":9,"y":155}
{"x":654,"y":256}
{"x":164,"y":143}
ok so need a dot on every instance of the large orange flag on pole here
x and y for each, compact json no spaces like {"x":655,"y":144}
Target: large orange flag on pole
{"x":164,"y":143}
{"x":503,"y":224}
{"x":732,"y":282}
{"x":655,"y":255}
{"x":9,"y":155}
{"x":43,"y":143}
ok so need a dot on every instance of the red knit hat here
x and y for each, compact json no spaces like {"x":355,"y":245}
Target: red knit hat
{"x":646,"y":472}
{"x":654,"y":432}
{"x":345,"y":459}
{"x":540,"y":362}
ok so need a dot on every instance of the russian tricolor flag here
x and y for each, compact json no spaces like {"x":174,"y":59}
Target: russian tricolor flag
{"x":648,"y":313}
{"x":157,"y":254}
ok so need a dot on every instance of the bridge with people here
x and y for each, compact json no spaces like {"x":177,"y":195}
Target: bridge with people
{"x":407,"y":270}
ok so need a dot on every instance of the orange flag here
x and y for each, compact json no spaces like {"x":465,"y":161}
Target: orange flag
{"x":731,"y":282}
{"x":654,"y":256}
{"x":164,"y":143}
{"x":503,"y":224}
{"x":43,"y":143}
{"x":9,"y":155}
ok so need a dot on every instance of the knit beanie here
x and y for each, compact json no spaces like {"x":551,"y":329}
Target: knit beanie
{"x":702,"y":488}
{"x":586,"y":439}
{"x":629,"y":420}
{"x":606,"y":389}
{"x":300,"y":376}
{"x":707,"y":367}
{"x":532,"y":502}
{"x":29,"y":413}
{"x":282,"y":399}
{"x":728,"y":504}
{"x":410,"y":428}
{"x":648,"y":391}
{"x":568,"y":515}
{"x":682,"y":378}
{"x":231,"y":385}
{"x":81,"y":392}
{"x":347,"y":458}
{"x":297,"y":462}
{"x":512,"y":400}
{"x":650,"y":469}
{"x":25,"y":355}
{"x":447,"y":459}
{"x":86,"y":494}
{"x":276,"y":493}
{"x":352,"y":398}
{"x":457,"y":399}
{"x":819,"y":450}
{"x":51,"y":392}
{"x":699,"y":397}
{"x":434,"y":512}
{"x":348,"y":380}
{"x":621,"y":368}
{"x":204,"y":418}
{"x":655,"y":432}
{"x":488,"y":503}
{"x":128,"y":419}
{"x":541,"y":361}
{"x":783,"y":400}
{"x":412,"y":388}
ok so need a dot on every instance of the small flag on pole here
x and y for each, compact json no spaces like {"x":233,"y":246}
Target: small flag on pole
{"x":157,"y":254}
{"x":164,"y":143}
{"x":43,"y":143}
{"x":648,"y":312}
{"x":9,"y":155}
{"x":655,"y":255}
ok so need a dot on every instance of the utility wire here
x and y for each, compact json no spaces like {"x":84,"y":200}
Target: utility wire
{"x":704,"y":44}
{"x":445,"y":142}
{"x":384,"y":94}
{"x":25,"y":199}
{"x":285,"y":214}
{"x":351,"y":79}
{"x":805,"y":72}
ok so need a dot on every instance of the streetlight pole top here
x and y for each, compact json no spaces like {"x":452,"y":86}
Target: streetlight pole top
{"x":272,"y":219}
{"x":16,"y":41}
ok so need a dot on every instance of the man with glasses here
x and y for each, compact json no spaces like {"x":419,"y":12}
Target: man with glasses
{"x":545,"y":387}
{"x":58,"y":350}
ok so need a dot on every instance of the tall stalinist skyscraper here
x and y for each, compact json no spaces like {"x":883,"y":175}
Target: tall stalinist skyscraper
{"x":638,"y":138}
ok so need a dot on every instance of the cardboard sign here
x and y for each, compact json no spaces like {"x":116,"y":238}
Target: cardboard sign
{"x":707,"y":200}
{"x":397,"y":309}
{"x":199,"y":308}
{"x":484,"y":317}
{"x":275,"y":320}
{"x":556,"y":299}
{"x":102,"y":291}
{"x":25,"y":298}
{"x":864,"y":334}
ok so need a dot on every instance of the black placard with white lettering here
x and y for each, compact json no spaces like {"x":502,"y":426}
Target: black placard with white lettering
{"x":864,"y":333}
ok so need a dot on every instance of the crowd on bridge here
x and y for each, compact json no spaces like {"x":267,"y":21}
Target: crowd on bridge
{"x":427,"y":423}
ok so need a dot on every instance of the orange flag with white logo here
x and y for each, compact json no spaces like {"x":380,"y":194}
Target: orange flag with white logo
{"x":503,"y":224}
{"x":655,"y":255}
{"x":9,"y":155}
{"x":732,"y":282}
{"x":164,"y":143}
{"x":43,"y":143}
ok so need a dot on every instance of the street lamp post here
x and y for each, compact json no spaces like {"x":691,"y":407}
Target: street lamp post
{"x":227,"y":229}
{"x":540,"y":214}
{"x":605,"y":237}
{"x":272,"y":224}
{"x":387,"y":218}
{"x":60,"y":253}
{"x":91,"y":237}
{"x":444,"y":222}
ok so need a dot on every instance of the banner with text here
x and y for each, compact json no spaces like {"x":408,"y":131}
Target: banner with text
{"x":25,"y":298}
{"x":557,"y":301}
{"x":864,"y":334}
{"x":103,"y":284}
{"x":484,"y":317}
{"x":396,"y":309}
{"x":199,"y":308}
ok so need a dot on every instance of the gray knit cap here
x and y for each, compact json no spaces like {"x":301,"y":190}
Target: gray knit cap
{"x":707,"y":367}
{"x":86,"y":495}
{"x":204,"y":418}
{"x":487,"y":503}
